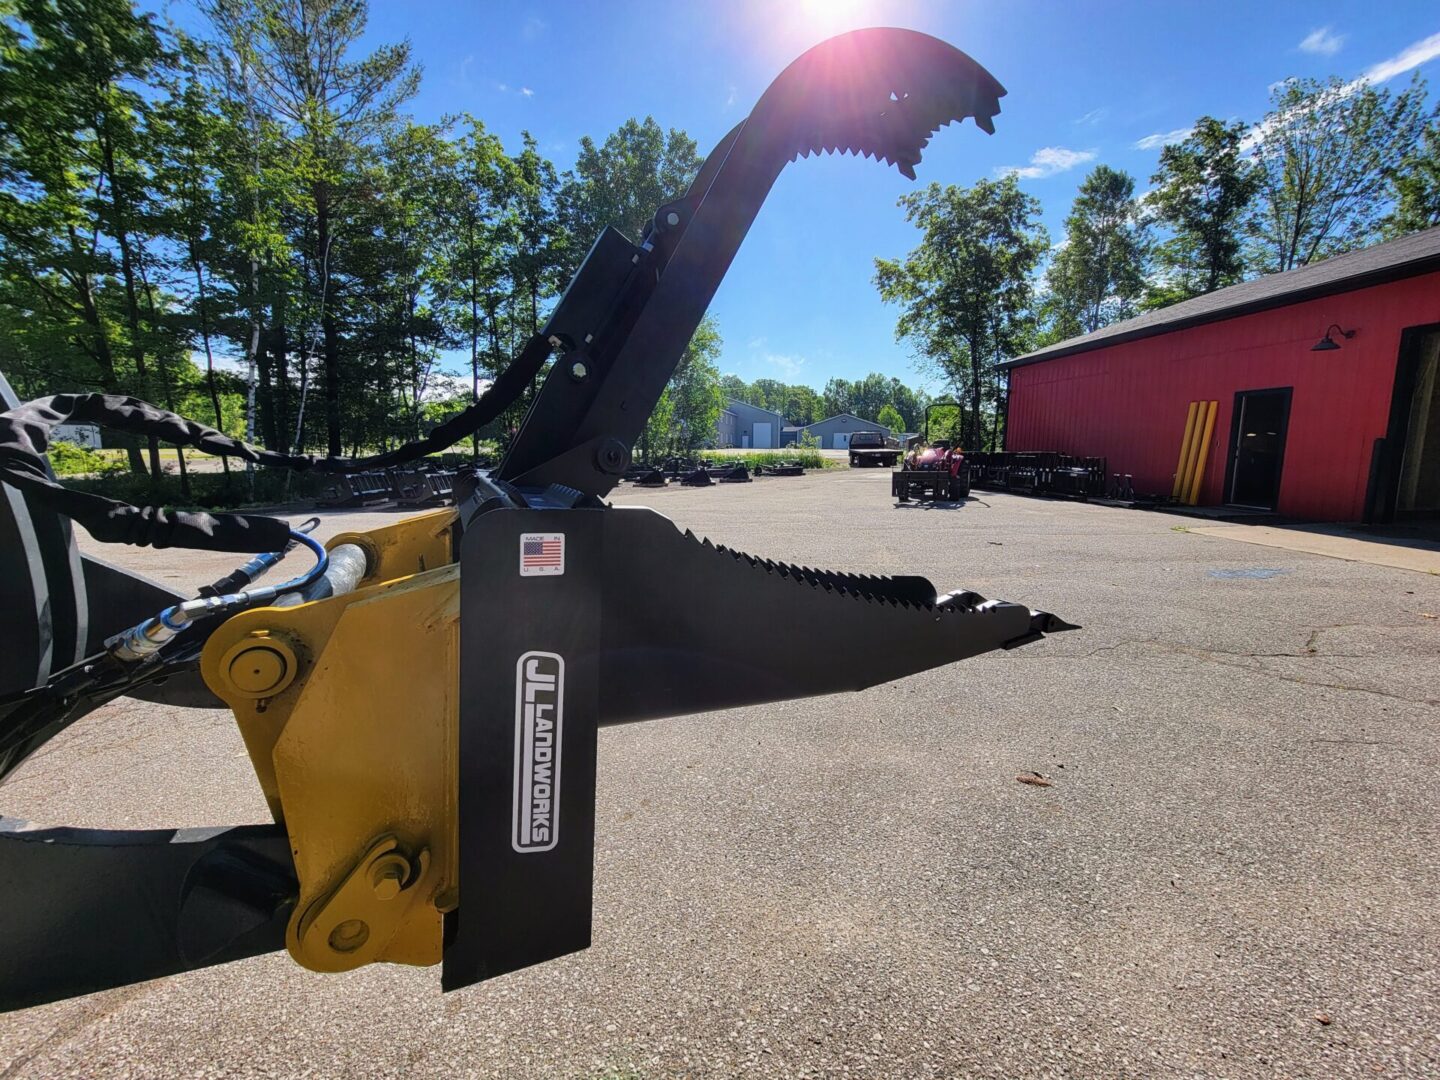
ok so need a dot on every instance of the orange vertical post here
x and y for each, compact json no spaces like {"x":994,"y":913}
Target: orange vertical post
{"x":1212,"y":407}
{"x":1185,"y":450}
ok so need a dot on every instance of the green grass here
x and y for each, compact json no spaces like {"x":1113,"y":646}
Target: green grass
{"x":810,"y":459}
{"x":167,"y":453}
{"x":67,"y":459}
{"x":208,"y":490}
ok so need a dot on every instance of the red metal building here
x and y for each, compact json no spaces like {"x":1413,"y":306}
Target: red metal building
{"x":1325,"y":378}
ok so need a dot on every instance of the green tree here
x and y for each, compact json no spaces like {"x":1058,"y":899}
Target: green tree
{"x":866,"y":397}
{"x":331,"y":106}
{"x":483,"y":231}
{"x":965,"y":293}
{"x":541,"y":241}
{"x":1099,"y":273}
{"x":76,"y":175}
{"x":732,"y":386}
{"x":801,"y":405}
{"x":890,"y":417}
{"x":694,"y":389}
{"x":686,"y":414}
{"x":1327,"y":153}
{"x":256,"y":266}
{"x":186,"y":130}
{"x":624,"y":180}
{"x":1203,"y":191}
{"x":1416,"y":185}
{"x":417,"y":163}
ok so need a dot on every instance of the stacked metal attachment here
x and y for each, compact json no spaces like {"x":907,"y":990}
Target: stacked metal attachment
{"x":1038,"y":473}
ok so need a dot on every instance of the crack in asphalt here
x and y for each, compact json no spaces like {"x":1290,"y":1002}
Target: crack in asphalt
{"x":1230,"y":658}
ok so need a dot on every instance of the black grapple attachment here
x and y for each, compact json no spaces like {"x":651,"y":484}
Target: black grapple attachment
{"x":421,"y":709}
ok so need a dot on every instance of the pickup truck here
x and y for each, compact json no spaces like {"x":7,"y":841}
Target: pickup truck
{"x":873,"y":448}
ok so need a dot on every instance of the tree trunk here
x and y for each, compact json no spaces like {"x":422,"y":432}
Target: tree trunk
{"x":167,"y":385}
{"x":209,"y":355}
{"x":327,"y":323}
{"x":127,"y":273}
{"x":104,"y":356}
{"x":332,"y":387}
{"x":269,"y":432}
{"x":137,"y":347}
{"x":474,"y":351}
{"x":280,"y":370}
{"x":977,"y":392}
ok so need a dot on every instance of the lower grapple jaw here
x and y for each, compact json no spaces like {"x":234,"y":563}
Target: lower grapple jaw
{"x":645,"y":622}
{"x":743,"y":630}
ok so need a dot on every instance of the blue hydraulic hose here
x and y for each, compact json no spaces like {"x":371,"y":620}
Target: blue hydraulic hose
{"x":146,"y":639}
{"x":322,"y":563}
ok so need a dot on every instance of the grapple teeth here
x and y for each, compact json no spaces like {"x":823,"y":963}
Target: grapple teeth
{"x":845,"y":615}
{"x":880,"y":92}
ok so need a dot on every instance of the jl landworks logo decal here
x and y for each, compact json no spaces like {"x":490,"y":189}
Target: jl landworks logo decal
{"x":539,"y":709}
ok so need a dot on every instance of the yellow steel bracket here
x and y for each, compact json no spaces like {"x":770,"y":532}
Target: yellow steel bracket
{"x":348,"y":708}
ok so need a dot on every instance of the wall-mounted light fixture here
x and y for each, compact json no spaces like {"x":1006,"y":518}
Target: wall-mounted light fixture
{"x":1328,"y":343}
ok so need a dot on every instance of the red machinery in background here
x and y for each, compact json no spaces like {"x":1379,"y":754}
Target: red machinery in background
{"x":932,"y":470}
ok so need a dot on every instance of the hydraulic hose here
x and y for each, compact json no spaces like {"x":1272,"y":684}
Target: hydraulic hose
{"x":143,"y":641}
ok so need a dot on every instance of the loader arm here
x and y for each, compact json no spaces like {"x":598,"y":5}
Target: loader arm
{"x":421,"y":708}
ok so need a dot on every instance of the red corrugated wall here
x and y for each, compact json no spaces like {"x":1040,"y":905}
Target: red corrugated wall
{"x":1128,"y":402}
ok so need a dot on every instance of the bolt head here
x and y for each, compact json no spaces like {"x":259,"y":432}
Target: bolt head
{"x":257,"y":670}
{"x":387,"y":876}
{"x":579,"y":370}
{"x":349,"y":935}
{"x":672,"y":219}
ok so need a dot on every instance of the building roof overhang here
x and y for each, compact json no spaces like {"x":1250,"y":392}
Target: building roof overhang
{"x":1394,"y":260}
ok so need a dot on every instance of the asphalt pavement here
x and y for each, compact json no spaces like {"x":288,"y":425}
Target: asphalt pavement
{"x":1234,"y":870}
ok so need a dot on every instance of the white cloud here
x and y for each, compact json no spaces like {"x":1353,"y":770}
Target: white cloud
{"x":1322,"y":42}
{"x":1408,"y":58}
{"x":1047,"y":161}
{"x":1093,"y":117}
{"x":527,"y":92}
{"x":789,"y":365}
{"x":1162,"y":138}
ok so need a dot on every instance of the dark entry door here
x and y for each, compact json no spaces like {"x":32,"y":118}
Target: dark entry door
{"x":1419,"y":493}
{"x":1257,"y":447}
{"x":1405,"y":472}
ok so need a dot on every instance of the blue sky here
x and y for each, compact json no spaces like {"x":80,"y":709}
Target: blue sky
{"x":1098,"y":82}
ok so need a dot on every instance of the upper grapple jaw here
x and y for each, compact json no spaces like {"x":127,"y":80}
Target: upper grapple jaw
{"x":880,"y":92}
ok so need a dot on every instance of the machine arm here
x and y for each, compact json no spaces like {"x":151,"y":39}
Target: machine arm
{"x":880,"y":93}
{"x":423,"y":728}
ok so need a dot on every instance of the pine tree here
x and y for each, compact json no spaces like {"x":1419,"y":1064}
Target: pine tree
{"x":1204,"y":190}
{"x":1098,"y":275}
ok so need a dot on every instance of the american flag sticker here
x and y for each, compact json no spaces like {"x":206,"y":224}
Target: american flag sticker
{"x":542,"y":554}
